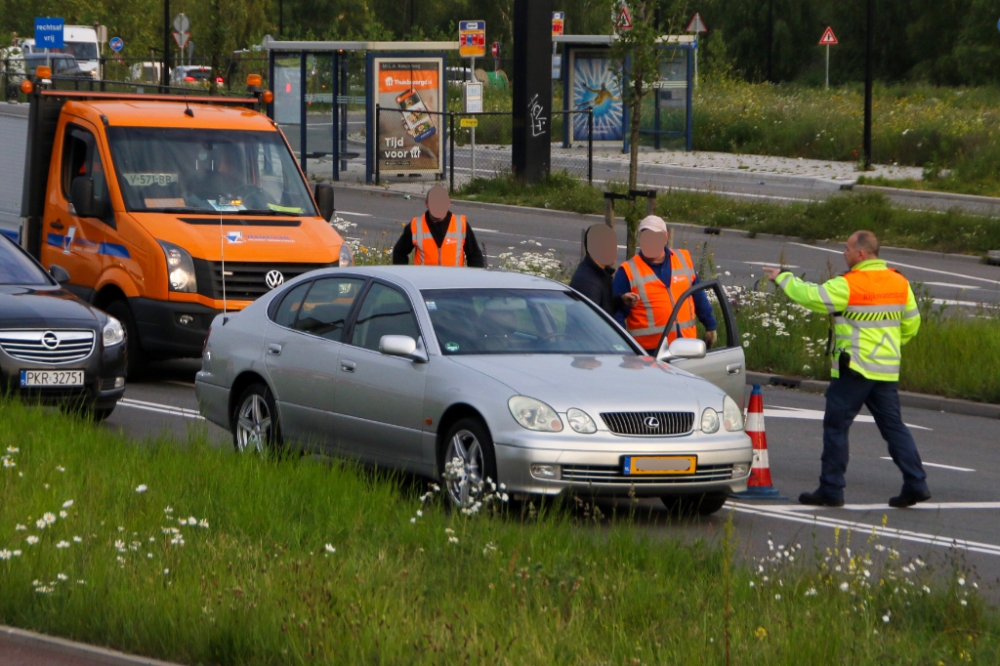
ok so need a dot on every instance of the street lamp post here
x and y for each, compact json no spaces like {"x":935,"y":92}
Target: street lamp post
{"x":869,"y":48}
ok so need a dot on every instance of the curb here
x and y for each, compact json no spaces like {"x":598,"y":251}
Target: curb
{"x":930,"y":194}
{"x":906,"y":399}
{"x":74,"y":649}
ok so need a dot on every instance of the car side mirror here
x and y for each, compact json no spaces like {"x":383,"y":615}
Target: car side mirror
{"x":683,"y":348}
{"x":81,"y":195}
{"x":59,"y":274}
{"x":403,"y":346}
{"x":324,"y":199}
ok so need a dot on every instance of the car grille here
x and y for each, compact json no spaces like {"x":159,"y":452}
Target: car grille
{"x":47,"y":346}
{"x":613,"y":474}
{"x":649,"y":424}
{"x":245,"y":281}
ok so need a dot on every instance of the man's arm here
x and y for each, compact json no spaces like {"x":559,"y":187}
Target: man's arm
{"x":621,"y":286}
{"x":827,"y":298}
{"x":911,"y":318}
{"x":473,"y":254}
{"x":703,"y":309}
{"x":403,"y":247}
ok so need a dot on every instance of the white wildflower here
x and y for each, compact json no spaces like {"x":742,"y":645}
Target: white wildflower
{"x":19,"y":528}
{"x":63,"y":514}
{"x":12,"y":449}
{"x":811,"y":592}
{"x":844,"y":587}
{"x":62,"y":576}
{"x":67,"y":504}
{"x":329,"y":548}
{"x":203,"y":523}
{"x":32,"y":539}
{"x":5,"y":554}
{"x":141,"y":488}
{"x":49,"y":518}
{"x":77,"y":539}
{"x":62,"y":544}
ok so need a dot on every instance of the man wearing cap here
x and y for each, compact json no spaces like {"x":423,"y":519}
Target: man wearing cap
{"x":658,"y":276}
{"x":438,"y":237}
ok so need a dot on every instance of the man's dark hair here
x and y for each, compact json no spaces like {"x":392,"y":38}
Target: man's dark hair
{"x":865,"y":240}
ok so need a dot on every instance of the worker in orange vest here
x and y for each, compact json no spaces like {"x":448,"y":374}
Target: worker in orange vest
{"x":438,"y":237}
{"x":658,"y":276}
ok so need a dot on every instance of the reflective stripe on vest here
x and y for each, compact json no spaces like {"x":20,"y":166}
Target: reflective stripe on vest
{"x":645,"y":321}
{"x":869,"y":327}
{"x":426,"y":251}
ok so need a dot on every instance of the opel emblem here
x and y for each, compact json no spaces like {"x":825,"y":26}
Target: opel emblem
{"x":274,"y":279}
{"x":50,"y":340}
{"x":651,"y":422}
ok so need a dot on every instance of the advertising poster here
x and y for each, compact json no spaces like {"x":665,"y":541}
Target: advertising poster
{"x":593,"y":86}
{"x":410,"y":98}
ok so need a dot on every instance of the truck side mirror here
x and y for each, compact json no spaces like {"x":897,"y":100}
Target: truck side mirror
{"x":324,"y":199}
{"x":81,"y":195}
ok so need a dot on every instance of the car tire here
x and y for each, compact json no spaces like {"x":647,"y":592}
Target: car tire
{"x":703,"y":504}
{"x":135,"y":360}
{"x":255,"y":421}
{"x":100,"y":415}
{"x":469,"y":440}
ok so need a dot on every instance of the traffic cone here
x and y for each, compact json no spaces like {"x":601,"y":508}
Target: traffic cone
{"x":759,"y":484}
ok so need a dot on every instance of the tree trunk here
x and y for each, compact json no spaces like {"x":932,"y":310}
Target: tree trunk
{"x":635,"y":121}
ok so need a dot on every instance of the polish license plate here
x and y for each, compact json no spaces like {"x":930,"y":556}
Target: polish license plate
{"x":56,"y":378}
{"x":660,"y":464}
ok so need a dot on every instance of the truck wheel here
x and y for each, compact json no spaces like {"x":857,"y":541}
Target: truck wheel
{"x":135,"y":361}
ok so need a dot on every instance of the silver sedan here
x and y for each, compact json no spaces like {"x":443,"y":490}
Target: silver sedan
{"x":489,"y":375}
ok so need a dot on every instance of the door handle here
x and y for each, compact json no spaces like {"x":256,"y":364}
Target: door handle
{"x":57,"y":225}
{"x":734,"y":368}
{"x":348,"y":366}
{"x":274,"y":349}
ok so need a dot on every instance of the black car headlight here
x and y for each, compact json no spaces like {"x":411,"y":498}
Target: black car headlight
{"x":180,"y":268}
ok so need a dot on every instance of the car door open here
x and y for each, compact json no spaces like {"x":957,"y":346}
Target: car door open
{"x":725,"y":364}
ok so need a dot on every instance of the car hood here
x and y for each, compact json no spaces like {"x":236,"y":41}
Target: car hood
{"x":598,"y":383}
{"x":25,"y":307}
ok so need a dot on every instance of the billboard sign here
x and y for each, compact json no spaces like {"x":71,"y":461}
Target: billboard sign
{"x":410,"y":95}
{"x":592,"y":85}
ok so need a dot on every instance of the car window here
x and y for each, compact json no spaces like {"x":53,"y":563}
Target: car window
{"x":385,"y":311}
{"x":81,"y":158}
{"x":289,"y":308}
{"x":17,"y":268}
{"x":698,"y":301}
{"x":325,"y":308}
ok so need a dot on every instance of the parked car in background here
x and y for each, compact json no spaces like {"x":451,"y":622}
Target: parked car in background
{"x":62,"y":65}
{"x":55,"y":348}
{"x":197,"y":75}
{"x":470,"y":375}
{"x":146,"y":72}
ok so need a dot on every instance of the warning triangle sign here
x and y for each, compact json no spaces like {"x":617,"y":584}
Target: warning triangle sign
{"x":624,"y":21}
{"x":696,"y":25}
{"x":828,"y":38}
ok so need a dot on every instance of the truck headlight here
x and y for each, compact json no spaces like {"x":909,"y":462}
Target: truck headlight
{"x":346,"y":256}
{"x":114,"y":334}
{"x":180,"y":268}
{"x":534,"y":414}
{"x":709,"y":421}
{"x":732,"y":415}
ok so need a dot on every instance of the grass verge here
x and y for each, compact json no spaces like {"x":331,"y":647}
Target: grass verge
{"x":182,"y":552}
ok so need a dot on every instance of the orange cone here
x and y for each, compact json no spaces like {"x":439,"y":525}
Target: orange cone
{"x":759,"y":484}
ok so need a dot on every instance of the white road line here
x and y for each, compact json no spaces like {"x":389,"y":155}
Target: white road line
{"x":949,"y":284}
{"x":923,"y":506}
{"x":817,"y":415}
{"x":951,"y":467}
{"x":480,"y":230}
{"x":782,"y":513}
{"x":768,"y":263}
{"x":347,"y":212}
{"x":161,"y":409}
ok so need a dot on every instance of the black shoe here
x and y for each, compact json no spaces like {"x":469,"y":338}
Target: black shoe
{"x":908,"y":498}
{"x":819,"y":499}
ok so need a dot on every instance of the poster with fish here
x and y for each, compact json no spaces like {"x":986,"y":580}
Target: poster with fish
{"x":593,"y":86}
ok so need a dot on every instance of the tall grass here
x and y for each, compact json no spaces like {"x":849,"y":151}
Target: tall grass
{"x":303,"y":562}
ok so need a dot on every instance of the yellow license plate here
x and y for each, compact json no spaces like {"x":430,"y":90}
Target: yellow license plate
{"x":639,"y":465}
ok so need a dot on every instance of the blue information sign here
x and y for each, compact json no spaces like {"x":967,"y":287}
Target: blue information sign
{"x":116,"y":44}
{"x":49,"y":33}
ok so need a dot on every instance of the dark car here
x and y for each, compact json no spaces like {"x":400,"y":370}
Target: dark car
{"x":55,"y":348}
{"x":62,"y":64}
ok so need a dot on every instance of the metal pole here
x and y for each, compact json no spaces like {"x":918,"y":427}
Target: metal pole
{"x":165,"y":74}
{"x":770,"y":40}
{"x":451,"y":149}
{"x":869,"y":49}
{"x":472,"y":66}
{"x":827,"y":66}
{"x":336,"y":117}
{"x":376,"y":143}
{"x":281,"y":18}
{"x":590,"y":145}
{"x":303,"y":120}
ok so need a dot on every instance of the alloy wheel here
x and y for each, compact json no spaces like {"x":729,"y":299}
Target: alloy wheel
{"x":463,"y":468}
{"x":253,"y":425}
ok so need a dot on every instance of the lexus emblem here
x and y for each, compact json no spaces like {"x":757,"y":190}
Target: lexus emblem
{"x":274,"y":279}
{"x":651,"y":422}
{"x":50,"y":340}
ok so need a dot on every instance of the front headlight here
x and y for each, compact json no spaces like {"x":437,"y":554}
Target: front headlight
{"x":534,"y":414}
{"x":580,"y":421}
{"x":732,"y":415}
{"x":346,"y":256}
{"x":709,"y":421}
{"x":114,"y":334}
{"x":180,"y":268}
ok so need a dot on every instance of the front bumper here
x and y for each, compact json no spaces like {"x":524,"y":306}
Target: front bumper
{"x":172,"y":329}
{"x":103,"y":369}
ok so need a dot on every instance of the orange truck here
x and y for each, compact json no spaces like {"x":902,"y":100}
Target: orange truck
{"x":164,"y":209}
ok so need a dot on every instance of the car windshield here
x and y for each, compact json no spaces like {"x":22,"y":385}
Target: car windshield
{"x":520,"y":321}
{"x":207,"y":171}
{"x":16,"y":268}
{"x":81,"y":50}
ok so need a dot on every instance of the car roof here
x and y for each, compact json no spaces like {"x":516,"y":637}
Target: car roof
{"x":436,"y":277}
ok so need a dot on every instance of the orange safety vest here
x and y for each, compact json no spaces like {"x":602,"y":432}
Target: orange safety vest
{"x":646,"y":320}
{"x":426,"y":251}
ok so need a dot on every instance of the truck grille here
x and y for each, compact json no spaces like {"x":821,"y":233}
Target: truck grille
{"x":245,"y":281}
{"x":649,"y":424}
{"x":47,"y":346}
{"x":598,"y":475}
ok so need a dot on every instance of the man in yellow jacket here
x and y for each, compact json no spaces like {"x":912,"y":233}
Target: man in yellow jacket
{"x":874,"y":314}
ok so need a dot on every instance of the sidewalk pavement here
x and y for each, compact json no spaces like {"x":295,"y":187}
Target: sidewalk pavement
{"x":19,"y":647}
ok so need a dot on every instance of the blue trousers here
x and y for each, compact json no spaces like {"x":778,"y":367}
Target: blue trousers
{"x":844,"y":399}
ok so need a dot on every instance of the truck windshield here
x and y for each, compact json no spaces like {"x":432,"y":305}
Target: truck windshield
{"x":211,"y":171}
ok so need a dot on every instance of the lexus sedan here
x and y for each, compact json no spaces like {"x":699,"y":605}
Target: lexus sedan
{"x":488,"y":375}
{"x":54,"y":348}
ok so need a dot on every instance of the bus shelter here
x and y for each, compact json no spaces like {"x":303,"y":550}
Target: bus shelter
{"x":313,"y":82}
{"x":590,"y":81}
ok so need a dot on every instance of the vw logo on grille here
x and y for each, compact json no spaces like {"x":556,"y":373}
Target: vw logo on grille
{"x":50,"y":340}
{"x":274,"y":279}
{"x":651,"y":422}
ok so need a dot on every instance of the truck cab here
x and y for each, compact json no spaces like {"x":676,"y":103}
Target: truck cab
{"x":165,"y":211}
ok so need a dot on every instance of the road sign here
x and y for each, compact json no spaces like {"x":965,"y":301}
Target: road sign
{"x":182,"y":23}
{"x":472,"y":39}
{"x":469,"y":122}
{"x":624,"y":21}
{"x":496,"y":49}
{"x":116,"y":44}
{"x":49,"y":33}
{"x":182,"y":39}
{"x":697,"y":25}
{"x":828,"y":38}
{"x":558,"y":23}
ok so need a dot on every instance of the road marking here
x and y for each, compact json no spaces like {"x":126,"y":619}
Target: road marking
{"x":918,"y":268}
{"x":487,"y":231}
{"x":817,"y":415}
{"x":161,"y":409}
{"x":179,"y":383}
{"x":347,"y":212}
{"x":968,"y":304}
{"x":951,"y":467}
{"x":923,"y":506}
{"x":949,"y":284}
{"x":782,"y":513}
{"x":768,"y":263}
